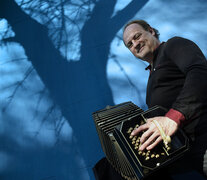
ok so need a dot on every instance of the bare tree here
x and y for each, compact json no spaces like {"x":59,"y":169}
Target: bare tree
{"x":78,"y":86}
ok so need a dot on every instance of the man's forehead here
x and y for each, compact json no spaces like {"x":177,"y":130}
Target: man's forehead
{"x":134,"y":25}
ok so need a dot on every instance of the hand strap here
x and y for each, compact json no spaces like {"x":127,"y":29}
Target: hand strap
{"x":166,"y":139}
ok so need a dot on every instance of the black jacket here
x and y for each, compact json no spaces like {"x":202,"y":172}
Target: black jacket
{"x":178,"y":80}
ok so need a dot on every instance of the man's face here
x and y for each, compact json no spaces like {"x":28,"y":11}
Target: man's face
{"x":140,"y":42}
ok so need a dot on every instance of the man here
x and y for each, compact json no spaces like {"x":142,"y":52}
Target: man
{"x":178,"y":82}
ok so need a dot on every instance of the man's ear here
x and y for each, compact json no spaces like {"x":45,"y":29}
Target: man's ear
{"x":151,"y":30}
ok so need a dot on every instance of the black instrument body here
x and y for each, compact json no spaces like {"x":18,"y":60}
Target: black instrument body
{"x":114,"y":125}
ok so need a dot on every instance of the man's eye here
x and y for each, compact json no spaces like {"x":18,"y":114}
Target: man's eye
{"x":137,"y":36}
{"x":129,"y":45}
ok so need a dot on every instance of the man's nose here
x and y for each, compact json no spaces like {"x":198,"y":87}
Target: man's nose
{"x":135,"y":42}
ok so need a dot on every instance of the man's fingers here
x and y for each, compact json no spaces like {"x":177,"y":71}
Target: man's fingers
{"x":155,"y":143}
{"x":139,"y":129}
{"x":149,"y":141}
{"x":145,"y":136}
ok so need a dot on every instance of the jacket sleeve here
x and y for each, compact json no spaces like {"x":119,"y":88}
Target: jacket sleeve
{"x":176,"y":116}
{"x":192,"y":100}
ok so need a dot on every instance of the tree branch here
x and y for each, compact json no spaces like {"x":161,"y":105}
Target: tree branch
{"x":126,"y":14}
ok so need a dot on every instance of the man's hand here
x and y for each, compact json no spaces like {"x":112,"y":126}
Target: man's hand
{"x":151,"y":136}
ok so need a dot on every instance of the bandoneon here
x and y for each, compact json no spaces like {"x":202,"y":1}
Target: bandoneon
{"x":114,"y":125}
